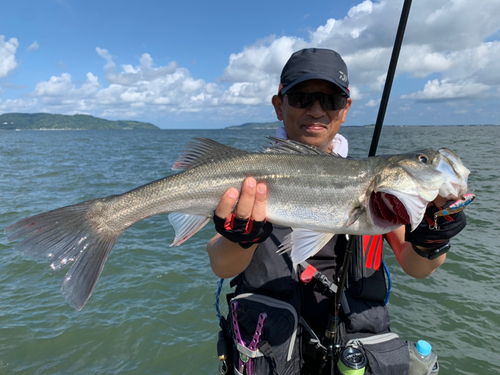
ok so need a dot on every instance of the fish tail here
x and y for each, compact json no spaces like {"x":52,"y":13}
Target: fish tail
{"x":67,"y":236}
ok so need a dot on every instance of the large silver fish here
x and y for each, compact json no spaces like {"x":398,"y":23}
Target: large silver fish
{"x":315,"y":193}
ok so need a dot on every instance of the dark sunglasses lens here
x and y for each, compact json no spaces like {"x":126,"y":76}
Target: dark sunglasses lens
{"x":326,"y":101}
{"x":296,"y":99}
{"x":332,"y":102}
{"x":306,"y":100}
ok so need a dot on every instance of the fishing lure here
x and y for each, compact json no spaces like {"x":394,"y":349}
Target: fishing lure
{"x":453,"y":208}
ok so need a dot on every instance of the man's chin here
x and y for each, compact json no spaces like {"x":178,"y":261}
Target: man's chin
{"x":316,"y":139}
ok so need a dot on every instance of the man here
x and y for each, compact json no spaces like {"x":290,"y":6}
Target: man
{"x":313,"y":102}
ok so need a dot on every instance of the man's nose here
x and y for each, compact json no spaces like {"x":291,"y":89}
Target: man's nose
{"x":316,"y":110}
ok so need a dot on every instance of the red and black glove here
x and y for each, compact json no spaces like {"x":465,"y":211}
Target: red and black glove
{"x":430,"y":234}
{"x":244,"y":232}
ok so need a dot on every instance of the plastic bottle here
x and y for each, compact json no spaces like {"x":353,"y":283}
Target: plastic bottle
{"x":423,"y":361}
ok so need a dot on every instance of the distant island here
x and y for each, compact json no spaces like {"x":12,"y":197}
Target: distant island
{"x":257,"y":125}
{"x":47,"y":121}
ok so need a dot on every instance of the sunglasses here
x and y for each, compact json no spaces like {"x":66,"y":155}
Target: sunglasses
{"x":329,"y":102}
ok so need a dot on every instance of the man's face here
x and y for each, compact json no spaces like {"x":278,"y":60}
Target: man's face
{"x":313,"y":126}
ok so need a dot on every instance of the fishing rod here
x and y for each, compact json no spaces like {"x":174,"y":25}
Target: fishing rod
{"x":390,"y":77}
{"x":333,"y":321}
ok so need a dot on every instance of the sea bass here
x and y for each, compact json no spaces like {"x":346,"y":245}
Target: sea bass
{"x":315,"y":193}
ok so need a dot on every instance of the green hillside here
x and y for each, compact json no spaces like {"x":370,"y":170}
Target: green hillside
{"x":37,"y":121}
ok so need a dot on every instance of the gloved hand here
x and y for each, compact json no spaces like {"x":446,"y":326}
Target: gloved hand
{"x":447,"y":227}
{"x":245,"y":232}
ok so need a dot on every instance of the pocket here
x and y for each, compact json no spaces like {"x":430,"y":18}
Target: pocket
{"x":386,"y":353}
{"x":365,"y":316}
{"x":265,"y":335}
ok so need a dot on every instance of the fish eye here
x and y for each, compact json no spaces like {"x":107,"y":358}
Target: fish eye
{"x":423,"y":158}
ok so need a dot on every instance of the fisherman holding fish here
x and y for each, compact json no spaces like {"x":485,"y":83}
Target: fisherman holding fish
{"x":287,"y":274}
{"x":313,"y":101}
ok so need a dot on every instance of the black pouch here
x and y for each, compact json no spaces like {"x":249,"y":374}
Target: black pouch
{"x":386,"y":354}
{"x":365,"y":325}
{"x":364,"y":316}
{"x":278,"y":351}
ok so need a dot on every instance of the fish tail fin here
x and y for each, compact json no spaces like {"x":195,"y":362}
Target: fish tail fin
{"x":64,"y":236}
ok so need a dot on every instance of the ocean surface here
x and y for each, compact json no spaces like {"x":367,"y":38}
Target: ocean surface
{"x":152,"y":311}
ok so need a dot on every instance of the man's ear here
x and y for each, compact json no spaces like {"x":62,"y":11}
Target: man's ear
{"x":278,"y":106}
{"x":346,"y":109}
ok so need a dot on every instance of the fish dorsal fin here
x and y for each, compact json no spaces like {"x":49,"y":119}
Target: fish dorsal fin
{"x":303,"y":243}
{"x":202,"y":150}
{"x":287,"y":146}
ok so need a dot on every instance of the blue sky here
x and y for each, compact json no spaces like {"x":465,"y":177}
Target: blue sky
{"x":200,"y":64}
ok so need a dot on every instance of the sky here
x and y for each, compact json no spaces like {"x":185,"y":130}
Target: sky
{"x":212,"y":64}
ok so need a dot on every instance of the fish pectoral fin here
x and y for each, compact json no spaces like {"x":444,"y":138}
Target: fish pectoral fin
{"x":355,"y":214}
{"x":304,"y":243}
{"x":186,"y":225}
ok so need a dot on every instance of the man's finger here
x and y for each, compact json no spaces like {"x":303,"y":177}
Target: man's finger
{"x":247,"y":198}
{"x":259,"y":206}
{"x":227,"y":203}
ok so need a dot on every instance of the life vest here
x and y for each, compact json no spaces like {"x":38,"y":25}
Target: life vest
{"x":270,"y":294}
{"x":274,"y":275}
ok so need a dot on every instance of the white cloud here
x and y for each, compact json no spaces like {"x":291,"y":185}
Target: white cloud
{"x":18,"y":105}
{"x":140,"y":87}
{"x":254,"y":72}
{"x":33,"y":47}
{"x":62,"y":95}
{"x":421,"y":61}
{"x":444,"y":89}
{"x":106,"y":56}
{"x":55,"y":86}
{"x":130,"y":75}
{"x":7,"y":55}
{"x":371,"y":103}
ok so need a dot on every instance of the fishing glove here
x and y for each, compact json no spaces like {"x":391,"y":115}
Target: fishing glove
{"x":244,"y":232}
{"x":432,"y":235}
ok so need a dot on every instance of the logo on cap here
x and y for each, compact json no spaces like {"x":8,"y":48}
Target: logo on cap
{"x":343,"y":76}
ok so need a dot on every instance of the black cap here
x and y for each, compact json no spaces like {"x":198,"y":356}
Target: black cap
{"x":314,"y":63}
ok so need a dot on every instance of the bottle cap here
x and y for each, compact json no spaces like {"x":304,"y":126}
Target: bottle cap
{"x":424,"y":348}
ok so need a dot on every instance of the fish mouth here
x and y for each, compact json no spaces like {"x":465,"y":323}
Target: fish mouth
{"x":457,"y":175}
{"x":389,"y":209}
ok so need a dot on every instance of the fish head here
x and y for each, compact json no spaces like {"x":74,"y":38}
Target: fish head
{"x":406,"y":183}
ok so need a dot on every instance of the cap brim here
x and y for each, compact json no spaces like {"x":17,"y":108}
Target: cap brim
{"x":307,"y":77}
